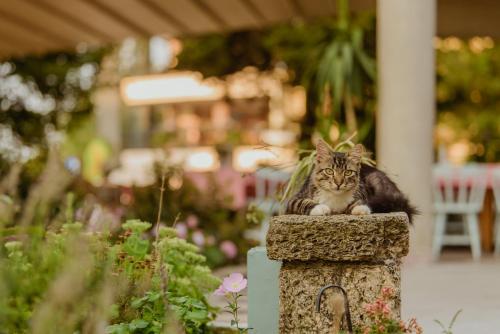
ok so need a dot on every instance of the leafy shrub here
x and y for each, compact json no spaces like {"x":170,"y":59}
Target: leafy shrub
{"x":72,"y":281}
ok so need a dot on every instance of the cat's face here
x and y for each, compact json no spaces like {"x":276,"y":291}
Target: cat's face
{"x":337,"y":172}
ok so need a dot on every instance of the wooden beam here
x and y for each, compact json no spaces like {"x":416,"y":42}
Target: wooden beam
{"x":79,"y":24}
{"x":211,"y":13}
{"x":139,"y":16}
{"x":255,"y":11}
{"x":275,"y":11}
{"x":297,"y":8}
{"x":16,"y":45}
{"x":25,"y":36}
{"x":34,"y":26}
{"x":162,"y":11}
{"x":190,"y":15}
{"x":118,"y":17}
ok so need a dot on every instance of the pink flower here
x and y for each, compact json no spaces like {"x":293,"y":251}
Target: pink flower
{"x":386,"y":310}
{"x":198,"y":238}
{"x":220,"y":291}
{"x":387,"y":292}
{"x":234,"y":283}
{"x":192,"y":221}
{"x":229,"y":249}
{"x":181,"y":230}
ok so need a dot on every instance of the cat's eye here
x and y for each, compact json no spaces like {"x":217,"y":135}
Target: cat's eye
{"x":348,"y":172}
{"x":328,"y":171}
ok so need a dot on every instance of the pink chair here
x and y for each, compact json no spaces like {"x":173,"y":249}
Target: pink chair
{"x":268,"y":182}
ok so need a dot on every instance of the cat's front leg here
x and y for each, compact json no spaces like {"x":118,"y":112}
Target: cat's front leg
{"x":320,"y":210}
{"x":361,"y":209}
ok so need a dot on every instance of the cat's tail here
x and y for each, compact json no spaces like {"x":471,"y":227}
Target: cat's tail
{"x":393,"y":202}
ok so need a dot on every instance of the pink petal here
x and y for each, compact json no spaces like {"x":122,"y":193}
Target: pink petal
{"x":236,"y":277}
{"x":243,"y":284}
{"x":221,"y":291}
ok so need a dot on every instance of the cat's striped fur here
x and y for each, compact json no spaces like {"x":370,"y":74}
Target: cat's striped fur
{"x":340,"y":183}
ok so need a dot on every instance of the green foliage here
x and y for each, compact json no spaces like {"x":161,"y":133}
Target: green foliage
{"x":216,"y":219}
{"x":307,"y":51}
{"x":59,"y":76}
{"x":344,"y":68}
{"x":468,"y":91}
{"x":72,"y":281}
{"x":448,"y":329}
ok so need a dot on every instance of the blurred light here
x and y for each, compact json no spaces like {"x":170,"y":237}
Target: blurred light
{"x":160,"y":53}
{"x":137,"y":167}
{"x":453,"y":43}
{"x":276,"y":118}
{"x":189,"y":124}
{"x":196,"y":159}
{"x":334,"y":133}
{"x":175,"y":182}
{"x":294,"y":102}
{"x":72,"y":164}
{"x":168,"y":88}
{"x":202,"y":161}
{"x":220,"y":115}
{"x":278,"y":137}
{"x":249,"y":158}
{"x":459,"y":152}
{"x":479,"y":44}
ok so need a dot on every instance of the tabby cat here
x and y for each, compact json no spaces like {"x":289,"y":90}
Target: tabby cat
{"x":340,"y":183}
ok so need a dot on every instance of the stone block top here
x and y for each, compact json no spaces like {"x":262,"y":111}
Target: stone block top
{"x":371,"y":238}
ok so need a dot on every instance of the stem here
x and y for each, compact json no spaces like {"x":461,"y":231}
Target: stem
{"x":160,"y":266}
{"x":235,"y":312}
{"x":160,"y":207}
{"x":350,"y":114}
{"x":343,"y":14}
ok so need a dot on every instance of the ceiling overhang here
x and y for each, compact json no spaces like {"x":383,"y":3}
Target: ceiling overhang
{"x":40,"y":26}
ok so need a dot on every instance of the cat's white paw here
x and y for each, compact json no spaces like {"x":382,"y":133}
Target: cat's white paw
{"x":361,"y":210}
{"x":320,"y":210}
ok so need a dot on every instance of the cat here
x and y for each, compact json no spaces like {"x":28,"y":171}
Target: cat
{"x":341,"y":184}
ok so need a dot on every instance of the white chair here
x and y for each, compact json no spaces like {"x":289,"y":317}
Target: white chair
{"x":268,"y":181}
{"x":460,"y":192}
{"x":496,"y":195}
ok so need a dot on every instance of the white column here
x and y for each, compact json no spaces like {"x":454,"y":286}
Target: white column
{"x":405,"y":120}
{"x":107,"y":109}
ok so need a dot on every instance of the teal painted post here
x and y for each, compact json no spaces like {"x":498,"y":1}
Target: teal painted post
{"x":263,"y":292}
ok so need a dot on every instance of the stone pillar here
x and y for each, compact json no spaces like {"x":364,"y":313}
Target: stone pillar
{"x":405,"y":120}
{"x":360,"y":253}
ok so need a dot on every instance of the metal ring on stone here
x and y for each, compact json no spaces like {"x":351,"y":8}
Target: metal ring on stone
{"x":346,"y":304}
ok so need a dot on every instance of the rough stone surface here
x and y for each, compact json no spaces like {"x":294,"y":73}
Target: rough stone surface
{"x":374,"y":237}
{"x":301,"y":282}
{"x":360,"y":253}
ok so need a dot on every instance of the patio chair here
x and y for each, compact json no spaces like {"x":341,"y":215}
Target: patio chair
{"x":268,"y":181}
{"x":496,"y":195}
{"x":458,"y":192}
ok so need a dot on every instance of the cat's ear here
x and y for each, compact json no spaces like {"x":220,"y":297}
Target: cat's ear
{"x":322,"y":151}
{"x":356,"y":153}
